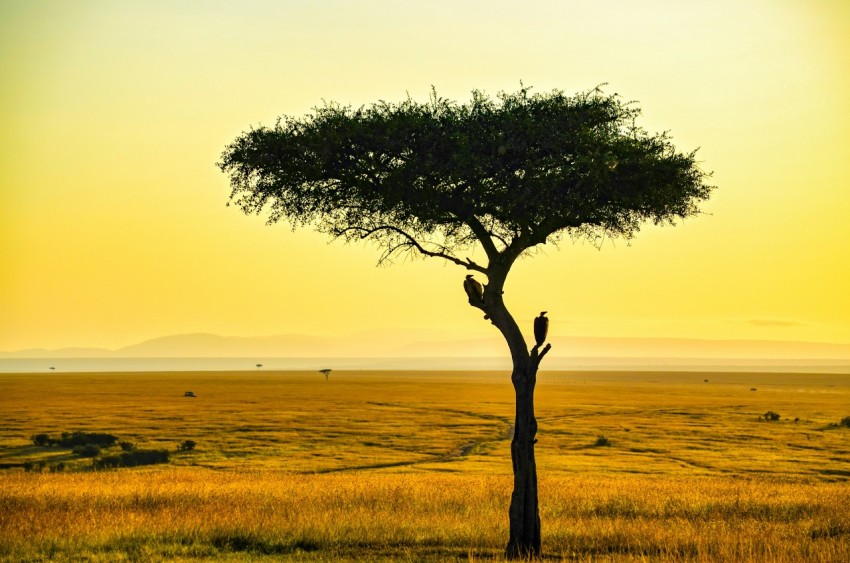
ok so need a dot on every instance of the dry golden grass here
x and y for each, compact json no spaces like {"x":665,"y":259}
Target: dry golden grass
{"x":415,"y":466}
{"x":196,"y":513}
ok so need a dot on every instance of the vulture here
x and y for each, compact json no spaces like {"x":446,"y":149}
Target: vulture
{"x":474,"y":290}
{"x":541,"y":328}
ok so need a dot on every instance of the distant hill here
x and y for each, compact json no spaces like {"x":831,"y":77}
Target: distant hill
{"x":210,"y":345}
{"x":59,"y":353}
{"x":203,"y":345}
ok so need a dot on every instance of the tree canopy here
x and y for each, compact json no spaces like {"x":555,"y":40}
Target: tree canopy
{"x":438,"y":177}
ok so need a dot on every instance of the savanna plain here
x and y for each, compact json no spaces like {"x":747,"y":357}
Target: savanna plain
{"x":415,"y":466}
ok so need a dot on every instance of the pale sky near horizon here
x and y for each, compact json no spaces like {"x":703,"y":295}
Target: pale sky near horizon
{"x":113,"y":219}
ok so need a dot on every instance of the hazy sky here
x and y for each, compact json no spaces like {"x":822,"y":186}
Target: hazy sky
{"x":113,"y":223}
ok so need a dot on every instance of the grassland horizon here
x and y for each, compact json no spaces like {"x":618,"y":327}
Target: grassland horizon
{"x":60,"y":365}
{"x":390,"y":465}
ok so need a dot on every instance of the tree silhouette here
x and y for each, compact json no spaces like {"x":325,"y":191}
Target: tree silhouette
{"x":437,"y":179}
{"x":326,"y":372}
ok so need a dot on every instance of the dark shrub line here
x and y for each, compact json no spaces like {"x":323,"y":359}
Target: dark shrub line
{"x":72,"y":439}
{"x":131,"y":459}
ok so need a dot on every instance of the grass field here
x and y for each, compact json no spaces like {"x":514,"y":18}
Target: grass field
{"x":416,"y":466}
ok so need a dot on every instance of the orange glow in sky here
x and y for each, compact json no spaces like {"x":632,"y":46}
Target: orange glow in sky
{"x":113,"y":219}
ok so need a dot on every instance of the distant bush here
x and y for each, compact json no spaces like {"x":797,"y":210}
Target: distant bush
{"x":87,"y":450}
{"x":131,"y":459}
{"x":34,"y":466}
{"x":71,"y":439}
{"x":186,"y":445}
{"x":41,"y":440}
{"x":845,"y":422}
{"x":127,"y":446}
{"x":771,"y":416}
{"x":58,"y":468}
{"x":602,"y":441}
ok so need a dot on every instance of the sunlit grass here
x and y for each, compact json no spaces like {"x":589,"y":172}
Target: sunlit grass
{"x":415,"y":466}
{"x":191,"y":512}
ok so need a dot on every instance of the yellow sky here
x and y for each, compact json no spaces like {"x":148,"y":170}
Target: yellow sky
{"x":113,"y":224}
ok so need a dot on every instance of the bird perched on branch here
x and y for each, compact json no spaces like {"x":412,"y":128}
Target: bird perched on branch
{"x":474,"y":290}
{"x":541,"y":328}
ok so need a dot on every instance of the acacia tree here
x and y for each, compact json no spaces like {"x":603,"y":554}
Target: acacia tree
{"x":438,"y":178}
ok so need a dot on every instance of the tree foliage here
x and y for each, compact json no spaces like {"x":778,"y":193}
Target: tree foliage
{"x":438,"y":177}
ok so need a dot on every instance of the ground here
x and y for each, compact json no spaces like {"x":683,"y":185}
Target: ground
{"x":416,"y":466}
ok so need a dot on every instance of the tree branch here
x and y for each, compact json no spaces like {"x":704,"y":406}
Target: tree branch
{"x":497,"y":237}
{"x":483,"y":236}
{"x":537,"y":355}
{"x":412,"y":242}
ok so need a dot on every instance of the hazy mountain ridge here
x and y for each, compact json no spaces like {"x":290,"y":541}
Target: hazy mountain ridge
{"x":205,"y":345}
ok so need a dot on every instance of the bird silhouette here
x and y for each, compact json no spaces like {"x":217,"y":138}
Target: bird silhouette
{"x":541,"y":328}
{"x":474,"y":290}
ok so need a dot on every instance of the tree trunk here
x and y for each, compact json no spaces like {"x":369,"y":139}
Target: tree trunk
{"x":524,"y":514}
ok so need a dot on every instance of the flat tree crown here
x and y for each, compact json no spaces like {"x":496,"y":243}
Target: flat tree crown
{"x":439,"y":176}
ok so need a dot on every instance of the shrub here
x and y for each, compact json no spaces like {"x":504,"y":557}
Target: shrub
{"x":186,"y":445}
{"x":58,"y":468}
{"x":845,"y":422}
{"x":771,"y":416}
{"x":42,"y":440}
{"x":71,"y":439}
{"x":131,"y":459}
{"x":87,"y":450}
{"x":127,"y":446}
{"x":36,"y":466}
{"x":602,"y":441}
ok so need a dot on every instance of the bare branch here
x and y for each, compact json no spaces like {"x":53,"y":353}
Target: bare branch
{"x":497,"y":237}
{"x":483,"y":236}
{"x":413,"y":243}
{"x":537,"y":355}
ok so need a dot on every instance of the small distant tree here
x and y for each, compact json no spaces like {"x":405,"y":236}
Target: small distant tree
{"x":845,"y":422}
{"x":259,"y":366}
{"x":771,"y":416}
{"x":438,"y":179}
{"x":186,"y":445}
{"x":41,"y":440}
{"x":326,"y":372}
